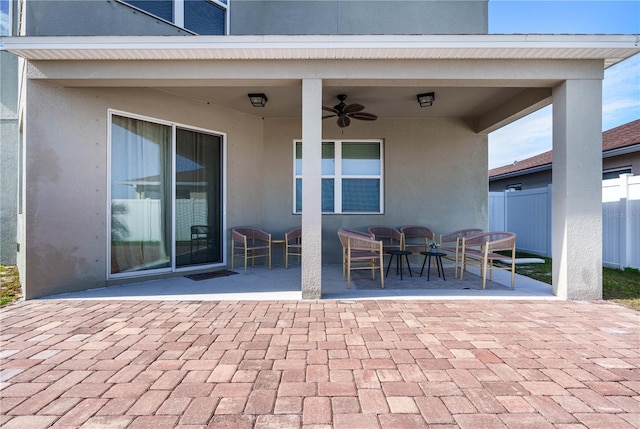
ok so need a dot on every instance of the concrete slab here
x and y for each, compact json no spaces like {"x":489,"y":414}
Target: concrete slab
{"x":259,"y":283}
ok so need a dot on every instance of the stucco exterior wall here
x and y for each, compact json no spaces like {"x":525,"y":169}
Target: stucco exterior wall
{"x":621,"y":161}
{"x":434,"y":175}
{"x":66,"y":212}
{"x":9,"y":157}
{"x":359,"y":17}
{"x":92,"y":18}
{"x":428,"y":179}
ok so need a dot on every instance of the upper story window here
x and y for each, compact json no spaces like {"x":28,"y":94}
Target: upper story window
{"x":5,"y":18}
{"x":352,"y":180}
{"x":199,"y":16}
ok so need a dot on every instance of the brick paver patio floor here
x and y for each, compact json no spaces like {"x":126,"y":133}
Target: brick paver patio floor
{"x":351,"y":364}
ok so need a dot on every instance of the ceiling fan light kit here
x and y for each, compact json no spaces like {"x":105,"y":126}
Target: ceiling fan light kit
{"x":345,"y":112}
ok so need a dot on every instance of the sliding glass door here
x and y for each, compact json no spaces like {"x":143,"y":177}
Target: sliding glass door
{"x":198,"y":196}
{"x":166,"y":197}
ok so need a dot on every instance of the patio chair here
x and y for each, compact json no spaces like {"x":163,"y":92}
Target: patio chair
{"x":292,"y":245}
{"x":417,"y":238}
{"x":200,"y":237}
{"x":482,"y":249}
{"x":250,"y":243}
{"x":450,"y":244}
{"x":364,"y":234}
{"x":392,"y":238}
{"x":360,"y":252}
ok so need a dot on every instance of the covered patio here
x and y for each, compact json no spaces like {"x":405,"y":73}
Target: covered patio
{"x":433,"y":162}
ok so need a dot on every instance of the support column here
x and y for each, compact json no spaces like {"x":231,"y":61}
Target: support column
{"x":311,"y":189}
{"x":577,"y":190}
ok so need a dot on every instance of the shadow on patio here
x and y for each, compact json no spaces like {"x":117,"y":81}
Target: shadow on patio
{"x":260,"y":283}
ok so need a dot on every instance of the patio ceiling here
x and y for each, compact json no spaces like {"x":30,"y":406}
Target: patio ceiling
{"x":384,"y":101}
{"x":241,"y":59}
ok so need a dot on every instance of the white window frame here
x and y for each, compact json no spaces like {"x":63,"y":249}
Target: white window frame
{"x":337,"y":175}
{"x":174,"y":126}
{"x":178,"y":13}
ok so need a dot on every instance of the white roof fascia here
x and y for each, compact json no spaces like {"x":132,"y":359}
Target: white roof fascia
{"x":522,"y":172}
{"x":621,"y":151}
{"x":610,"y":48}
{"x":606,"y":154}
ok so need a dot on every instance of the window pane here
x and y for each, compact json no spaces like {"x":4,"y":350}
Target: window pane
{"x":328,"y":195}
{"x":203,"y":17}
{"x":328,"y":159}
{"x":298,"y":195}
{"x":298,"y":158}
{"x":140,"y":195}
{"x":360,"y":195}
{"x":360,"y":158}
{"x":614,"y":174}
{"x":198,"y":198}
{"x":5,"y":19}
{"x":160,"y":8}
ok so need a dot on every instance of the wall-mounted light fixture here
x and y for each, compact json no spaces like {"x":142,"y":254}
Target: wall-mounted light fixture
{"x":426,"y":100}
{"x":258,"y":100}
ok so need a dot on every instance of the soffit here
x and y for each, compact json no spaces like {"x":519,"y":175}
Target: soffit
{"x":610,"y":48}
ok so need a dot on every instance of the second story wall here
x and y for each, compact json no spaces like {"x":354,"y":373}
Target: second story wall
{"x":359,"y":17}
{"x":92,"y":18}
{"x":255,"y":17}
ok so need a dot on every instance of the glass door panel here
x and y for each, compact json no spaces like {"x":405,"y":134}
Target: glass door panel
{"x":198,"y":204}
{"x":140,"y":195}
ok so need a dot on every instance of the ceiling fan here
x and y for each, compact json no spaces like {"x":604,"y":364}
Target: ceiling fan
{"x":344,"y":112}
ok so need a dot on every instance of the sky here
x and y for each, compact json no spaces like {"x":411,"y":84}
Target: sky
{"x":621,"y":85}
{"x":4,"y":17}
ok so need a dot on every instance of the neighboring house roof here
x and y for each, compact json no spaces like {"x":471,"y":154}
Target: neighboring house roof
{"x":616,"y":141}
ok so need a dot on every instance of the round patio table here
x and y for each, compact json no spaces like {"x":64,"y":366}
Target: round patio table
{"x":428,"y":256}
{"x":399,"y":254}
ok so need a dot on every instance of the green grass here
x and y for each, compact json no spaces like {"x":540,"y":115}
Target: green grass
{"x":621,"y":286}
{"x":10,"y":289}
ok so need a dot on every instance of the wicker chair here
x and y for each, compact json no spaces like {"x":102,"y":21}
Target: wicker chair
{"x":360,"y":252}
{"x":482,"y":249}
{"x":292,"y":245}
{"x":417,"y":238}
{"x":250,"y":243}
{"x":450,"y":244}
{"x":392,"y":238}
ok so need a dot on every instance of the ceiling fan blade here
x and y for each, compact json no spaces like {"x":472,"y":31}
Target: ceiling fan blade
{"x":343,"y":122}
{"x":353,"y":108}
{"x":329,"y":109}
{"x":364,"y":116}
{"x":329,"y":116}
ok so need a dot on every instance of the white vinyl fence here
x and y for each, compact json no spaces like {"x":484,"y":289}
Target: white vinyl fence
{"x":143,"y":221}
{"x":528,"y":214}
